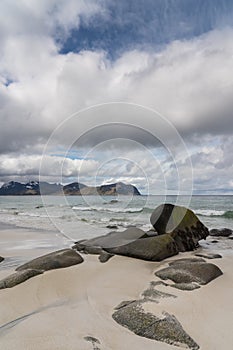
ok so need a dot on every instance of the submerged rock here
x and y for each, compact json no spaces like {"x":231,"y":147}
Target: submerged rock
{"x":155,"y":295}
{"x":18,"y":277}
{"x":55,"y":260}
{"x":199,"y":272}
{"x":181,"y":223}
{"x":186,"y":286}
{"x":209,"y":255}
{"x":165,"y":328}
{"x":223,"y":232}
{"x":185,"y":261}
{"x":94,"y":341}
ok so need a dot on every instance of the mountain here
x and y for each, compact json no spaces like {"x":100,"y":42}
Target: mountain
{"x":13,"y":188}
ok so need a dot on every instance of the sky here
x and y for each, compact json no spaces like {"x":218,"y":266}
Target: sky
{"x":101,"y":91}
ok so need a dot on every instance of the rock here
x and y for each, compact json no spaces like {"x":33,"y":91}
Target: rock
{"x":92,"y":250}
{"x":214,"y":241}
{"x":185,"y":261}
{"x":55,"y":260}
{"x":165,"y":328}
{"x":181,"y":223}
{"x":199,"y":272}
{"x":186,"y":286}
{"x":115,"y":239}
{"x":223,"y":232}
{"x":209,"y":255}
{"x":18,"y":277}
{"x":230,"y":237}
{"x":112,"y":227}
{"x":123,"y":304}
{"x":94,"y":341}
{"x":151,"y":248}
{"x":105,"y":256}
{"x":79,"y":246}
{"x":155,"y":295}
{"x":1,"y":258}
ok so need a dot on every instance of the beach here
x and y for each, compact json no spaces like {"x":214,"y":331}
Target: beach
{"x":61,"y":308}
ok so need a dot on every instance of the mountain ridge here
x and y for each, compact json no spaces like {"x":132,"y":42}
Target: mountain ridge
{"x":14,"y":188}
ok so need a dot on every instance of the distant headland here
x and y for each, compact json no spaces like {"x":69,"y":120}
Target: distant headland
{"x":14,"y":188}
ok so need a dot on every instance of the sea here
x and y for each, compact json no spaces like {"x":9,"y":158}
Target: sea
{"x":81,"y":217}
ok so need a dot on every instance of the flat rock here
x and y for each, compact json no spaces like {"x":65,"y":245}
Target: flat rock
{"x":55,"y":260}
{"x":185,"y":286}
{"x":201,"y":273}
{"x":92,"y":250}
{"x":165,"y":328}
{"x":18,"y":277}
{"x":155,"y":295}
{"x":223,"y":232}
{"x":209,"y":255}
{"x":181,"y":223}
{"x":154,"y":248}
{"x":185,"y":261}
{"x":115,"y":239}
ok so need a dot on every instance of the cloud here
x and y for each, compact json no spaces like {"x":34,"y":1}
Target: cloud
{"x":188,"y":81}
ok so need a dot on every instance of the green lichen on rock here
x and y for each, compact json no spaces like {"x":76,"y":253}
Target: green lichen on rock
{"x":154,"y":248}
{"x":181,"y":223}
{"x":165,"y":329}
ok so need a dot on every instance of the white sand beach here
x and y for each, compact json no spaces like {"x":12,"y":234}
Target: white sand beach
{"x":57,"y":310}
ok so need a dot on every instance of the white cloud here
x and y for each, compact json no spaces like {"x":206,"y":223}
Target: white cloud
{"x":189,"y":82}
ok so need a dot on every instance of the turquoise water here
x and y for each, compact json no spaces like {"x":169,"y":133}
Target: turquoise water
{"x":78,"y":217}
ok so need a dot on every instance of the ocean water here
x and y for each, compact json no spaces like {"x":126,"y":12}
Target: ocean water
{"x":77,"y":217}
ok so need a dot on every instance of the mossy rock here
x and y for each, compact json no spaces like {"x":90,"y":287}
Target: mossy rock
{"x":181,"y":223}
{"x":154,"y":248}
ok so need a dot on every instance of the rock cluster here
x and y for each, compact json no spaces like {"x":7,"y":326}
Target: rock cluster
{"x":161,"y":327}
{"x":188,"y":274}
{"x":56,"y":260}
{"x":176,"y":229}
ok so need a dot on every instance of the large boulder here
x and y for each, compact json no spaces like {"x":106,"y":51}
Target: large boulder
{"x":55,"y":260}
{"x":181,"y":223}
{"x":154,"y":248}
{"x":188,"y":272}
{"x":18,"y":277}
